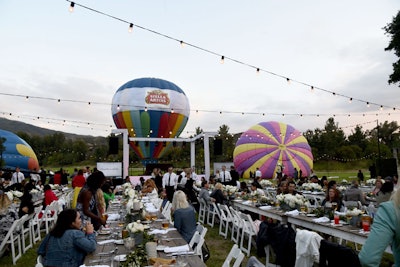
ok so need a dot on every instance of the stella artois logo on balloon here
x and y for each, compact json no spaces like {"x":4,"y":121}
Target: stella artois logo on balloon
{"x":157,"y":97}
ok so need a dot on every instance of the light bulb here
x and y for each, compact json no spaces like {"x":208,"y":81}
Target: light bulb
{"x":71,"y":7}
{"x":130,"y":29}
{"x":222,"y":59}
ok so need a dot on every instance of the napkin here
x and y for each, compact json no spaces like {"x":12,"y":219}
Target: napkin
{"x":95,"y":265}
{"x":292,"y":212}
{"x":159,"y":231}
{"x":266,"y":207}
{"x":183,"y":248}
{"x":151,"y":209}
{"x":113,"y":217}
{"x":322,"y":220}
{"x":247,"y":202}
{"x":106,"y":241}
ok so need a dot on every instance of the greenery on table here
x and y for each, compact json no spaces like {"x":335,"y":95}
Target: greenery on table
{"x":138,"y":257}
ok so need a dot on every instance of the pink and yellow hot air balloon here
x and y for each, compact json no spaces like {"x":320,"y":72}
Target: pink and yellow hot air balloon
{"x":150,"y":107}
{"x":271,"y":146}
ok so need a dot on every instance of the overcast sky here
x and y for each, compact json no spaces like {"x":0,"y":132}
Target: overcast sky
{"x":48,"y":52}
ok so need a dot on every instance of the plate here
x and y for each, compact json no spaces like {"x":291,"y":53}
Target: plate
{"x":161,"y":247}
{"x":145,"y":227}
{"x":119,"y":242}
{"x":311,"y":215}
{"x":336,"y":225}
{"x":121,"y":257}
{"x":104,"y":232}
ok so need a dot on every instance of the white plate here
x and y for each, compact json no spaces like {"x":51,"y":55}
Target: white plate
{"x":104,"y":232}
{"x":311,"y":215}
{"x":161,"y":247}
{"x":119,"y":242}
{"x":121,"y":257}
{"x":337,"y":225}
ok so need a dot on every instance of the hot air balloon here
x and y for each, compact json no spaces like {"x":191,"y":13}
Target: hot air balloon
{"x":150,"y":107}
{"x":18,"y":152}
{"x":272,"y":146}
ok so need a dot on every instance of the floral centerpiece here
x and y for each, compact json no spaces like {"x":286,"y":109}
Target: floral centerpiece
{"x":291,"y":202}
{"x":342,"y":188}
{"x":138,"y":256}
{"x":311,"y":187}
{"x":266,"y":183}
{"x":136,"y":230}
{"x":266,"y":200}
{"x":344,"y":182}
{"x":230,"y":189}
{"x":354,"y":216}
{"x":16,"y":193}
{"x":371,"y":182}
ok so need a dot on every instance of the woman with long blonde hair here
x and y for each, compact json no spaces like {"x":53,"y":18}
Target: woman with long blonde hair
{"x":184,"y":215}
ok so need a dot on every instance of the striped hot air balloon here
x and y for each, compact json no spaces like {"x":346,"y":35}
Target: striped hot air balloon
{"x":150,"y":107}
{"x":271,"y":146}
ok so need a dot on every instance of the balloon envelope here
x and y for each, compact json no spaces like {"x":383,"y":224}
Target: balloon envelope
{"x":150,"y":107}
{"x":270,"y":144}
{"x":18,"y":152}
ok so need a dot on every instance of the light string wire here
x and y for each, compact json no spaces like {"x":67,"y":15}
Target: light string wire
{"x":223,"y":58}
{"x":120,"y":106}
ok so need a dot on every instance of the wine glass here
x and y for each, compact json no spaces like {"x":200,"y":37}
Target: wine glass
{"x":334,"y":206}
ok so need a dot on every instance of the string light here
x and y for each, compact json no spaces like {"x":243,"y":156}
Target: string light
{"x":367,"y":104}
{"x":222,"y":59}
{"x":145,"y":109}
{"x":130,"y":29}
{"x":312,"y":88}
{"x":182,"y":43}
{"x":350,"y":100}
{"x":71,"y":7}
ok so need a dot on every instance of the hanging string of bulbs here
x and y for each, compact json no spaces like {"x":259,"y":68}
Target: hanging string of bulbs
{"x":223,"y":58}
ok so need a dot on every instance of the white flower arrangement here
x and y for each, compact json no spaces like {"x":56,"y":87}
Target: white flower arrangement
{"x":311,"y":187}
{"x":10,"y":195}
{"x":126,"y":185}
{"x":17,"y":193}
{"x":34,"y":191}
{"x":292,"y":200}
{"x":342,"y":188}
{"x":230,"y":189}
{"x":135,"y":227}
{"x":354,"y":212}
{"x":129,"y":193}
{"x":344,"y":181}
{"x":371,"y":182}
{"x":266,"y":183}
{"x":54,"y":186}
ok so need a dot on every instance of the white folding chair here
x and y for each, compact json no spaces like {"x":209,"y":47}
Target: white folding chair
{"x":196,"y":243}
{"x":248,"y":231}
{"x":26,"y":232}
{"x":202,"y":230}
{"x":236,"y":225}
{"x":49,"y":217}
{"x":212,"y":213}
{"x":39,"y":261}
{"x":226,"y":220}
{"x":203,"y":208}
{"x":167,"y":211}
{"x":35,"y":225}
{"x":13,"y":238}
{"x":235,"y":254}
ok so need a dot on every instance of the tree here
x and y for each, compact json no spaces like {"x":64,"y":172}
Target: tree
{"x":393,"y":29}
{"x":358,"y":137}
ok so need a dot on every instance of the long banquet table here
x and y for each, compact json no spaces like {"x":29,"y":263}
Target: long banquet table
{"x":342,"y":231}
{"x":101,"y":256}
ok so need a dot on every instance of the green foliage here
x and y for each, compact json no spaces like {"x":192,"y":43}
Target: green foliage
{"x":393,"y":30}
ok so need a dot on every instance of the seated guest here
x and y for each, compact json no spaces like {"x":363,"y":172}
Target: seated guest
{"x":184,"y":216}
{"x":8,"y":214}
{"x":282,"y":188}
{"x":385,"y":192}
{"x":150,"y":189}
{"x":49,"y":196}
{"x":378,"y":186}
{"x":292,"y":188}
{"x":354,"y":193}
{"x":331,"y":198}
{"x":26,"y":206}
{"x":217,"y":194}
{"x":204,"y":194}
{"x":243,"y":188}
{"x":256,"y":191}
{"x":108,"y":193}
{"x":66,"y":244}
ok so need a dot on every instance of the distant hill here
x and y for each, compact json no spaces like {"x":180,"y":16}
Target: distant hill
{"x":17,"y":126}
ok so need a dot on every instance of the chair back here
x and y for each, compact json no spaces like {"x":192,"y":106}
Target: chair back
{"x":235,"y":254}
